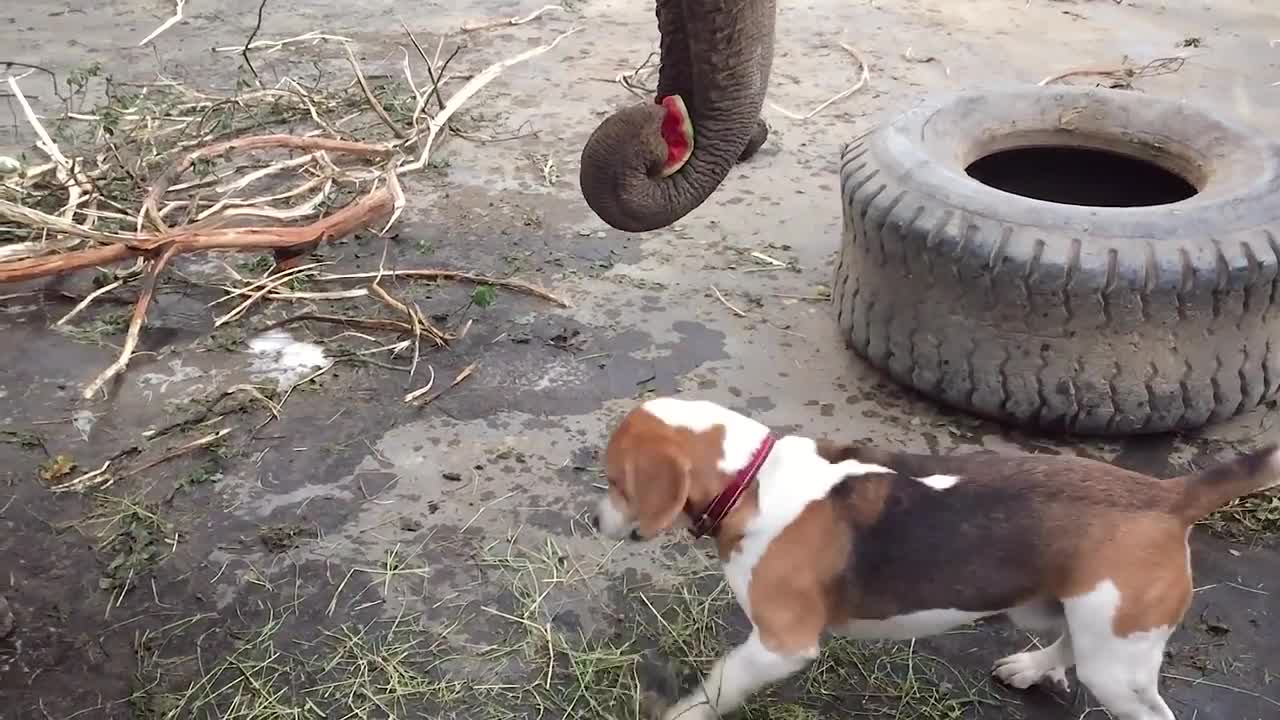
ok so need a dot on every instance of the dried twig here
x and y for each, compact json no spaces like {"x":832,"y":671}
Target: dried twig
{"x":475,"y":278}
{"x":371,"y":323}
{"x":187,"y":240}
{"x":863,"y":77}
{"x":257,"y":142}
{"x":183,"y":449}
{"x":416,"y":321}
{"x":485,"y":25}
{"x":1123,"y":74}
{"x":135,"y":322}
{"x":921,"y":59}
{"x":435,"y":80}
{"x":631,"y":80}
{"x":92,"y":479}
{"x":376,"y":106}
{"x":271,"y":46}
{"x":1221,"y":686}
{"x":88,"y":299}
{"x":68,"y":177}
{"x":173,"y":20}
{"x":244,"y":52}
{"x":424,"y":389}
{"x":466,"y":373}
{"x":727,"y":304}
{"x":276,"y":281}
{"x":473,"y":86}
{"x":289,"y":273}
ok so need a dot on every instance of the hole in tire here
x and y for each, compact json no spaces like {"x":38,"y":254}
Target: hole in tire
{"x":1080,"y":176}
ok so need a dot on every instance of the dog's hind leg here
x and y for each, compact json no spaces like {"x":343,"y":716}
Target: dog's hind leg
{"x":1122,"y":670}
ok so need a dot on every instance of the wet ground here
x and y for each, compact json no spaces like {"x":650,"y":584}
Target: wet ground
{"x":357,"y":553}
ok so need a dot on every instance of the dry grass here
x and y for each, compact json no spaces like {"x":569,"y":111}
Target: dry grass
{"x":379,"y":669}
{"x":677,"y":630}
{"x":1250,"y":519}
{"x":133,"y":537}
{"x":507,"y":649}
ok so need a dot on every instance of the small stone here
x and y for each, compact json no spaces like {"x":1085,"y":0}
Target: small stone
{"x":410,"y":524}
{"x":452,"y":476}
{"x":9,"y":166}
{"x":6,"y":618}
{"x":602,"y":234}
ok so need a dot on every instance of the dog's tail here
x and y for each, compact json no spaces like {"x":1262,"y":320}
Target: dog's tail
{"x":1211,"y":488}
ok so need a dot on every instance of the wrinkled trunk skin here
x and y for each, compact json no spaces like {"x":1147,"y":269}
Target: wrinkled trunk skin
{"x":716,"y":55}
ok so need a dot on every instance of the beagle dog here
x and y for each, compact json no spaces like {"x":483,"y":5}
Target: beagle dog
{"x":818,"y":537}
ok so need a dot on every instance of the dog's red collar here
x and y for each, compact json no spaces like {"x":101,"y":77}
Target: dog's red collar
{"x":709,"y":520}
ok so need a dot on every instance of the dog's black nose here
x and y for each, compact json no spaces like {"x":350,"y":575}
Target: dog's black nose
{"x":635,"y":536}
{"x":595,"y":522}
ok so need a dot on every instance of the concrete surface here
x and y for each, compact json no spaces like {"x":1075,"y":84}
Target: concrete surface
{"x":513,"y":448}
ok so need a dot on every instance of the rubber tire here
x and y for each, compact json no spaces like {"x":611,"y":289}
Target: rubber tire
{"x":1064,"y":318}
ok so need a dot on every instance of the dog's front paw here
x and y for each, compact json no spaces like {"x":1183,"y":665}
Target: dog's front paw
{"x":653,"y":705}
{"x":691,"y":707}
{"x":1029,"y":668}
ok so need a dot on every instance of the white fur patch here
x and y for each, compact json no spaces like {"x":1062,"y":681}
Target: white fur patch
{"x":613,"y":524}
{"x":939,"y":482}
{"x":742,"y":435}
{"x":1123,"y":672}
{"x":1274,"y":462}
{"x":735,"y":677}
{"x":921,"y":623}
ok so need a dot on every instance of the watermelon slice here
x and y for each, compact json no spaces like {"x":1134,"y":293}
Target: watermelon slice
{"x":677,"y":133}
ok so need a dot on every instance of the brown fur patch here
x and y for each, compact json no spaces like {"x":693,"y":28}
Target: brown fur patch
{"x":1145,"y":555}
{"x":791,"y":588}
{"x":636,"y":460}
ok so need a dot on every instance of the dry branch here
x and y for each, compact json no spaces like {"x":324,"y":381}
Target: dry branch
{"x":466,"y":373}
{"x":159,"y":248}
{"x":343,"y":222}
{"x":371,"y":323}
{"x":485,"y":25}
{"x":69,"y":177}
{"x":475,"y":278}
{"x":154,"y":224}
{"x":864,"y":76}
{"x":135,"y":321}
{"x":173,"y":20}
{"x":150,"y":206}
{"x":473,"y":86}
{"x":378,"y":110}
{"x":1123,"y":74}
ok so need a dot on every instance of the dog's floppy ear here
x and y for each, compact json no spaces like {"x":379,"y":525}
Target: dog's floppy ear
{"x":658,"y":479}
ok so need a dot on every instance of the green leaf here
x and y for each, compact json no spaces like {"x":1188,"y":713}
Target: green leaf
{"x":484,"y":295}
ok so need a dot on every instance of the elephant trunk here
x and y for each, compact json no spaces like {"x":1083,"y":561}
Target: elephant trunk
{"x":647,"y":166}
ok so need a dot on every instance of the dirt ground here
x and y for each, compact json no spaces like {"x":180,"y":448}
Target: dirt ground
{"x":358,"y":556}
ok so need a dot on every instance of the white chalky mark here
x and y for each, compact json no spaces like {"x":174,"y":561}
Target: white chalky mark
{"x":284,"y":357}
{"x":939,"y":482}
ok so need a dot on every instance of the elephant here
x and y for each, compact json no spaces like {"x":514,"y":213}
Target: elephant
{"x":648,"y":165}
